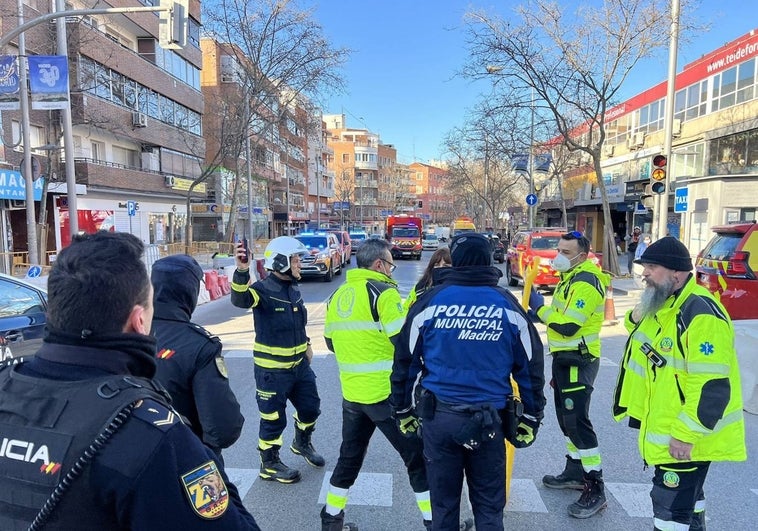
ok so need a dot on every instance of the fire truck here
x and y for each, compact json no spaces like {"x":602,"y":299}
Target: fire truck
{"x":404,"y":234}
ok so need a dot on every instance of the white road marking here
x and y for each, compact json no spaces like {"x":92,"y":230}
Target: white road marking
{"x":369,"y":489}
{"x":634,"y":498}
{"x":525,"y":497}
{"x":243,"y":478}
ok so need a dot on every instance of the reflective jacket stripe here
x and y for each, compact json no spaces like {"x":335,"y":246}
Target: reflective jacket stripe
{"x":366,"y":367}
{"x":351,"y":326}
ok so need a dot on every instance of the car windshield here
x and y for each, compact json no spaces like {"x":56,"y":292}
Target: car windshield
{"x":430,"y":236}
{"x":338,"y":235}
{"x":722,"y":246}
{"x":543,"y":243}
{"x":358,"y":236}
{"x":313,"y":242}
{"x":405,"y":233}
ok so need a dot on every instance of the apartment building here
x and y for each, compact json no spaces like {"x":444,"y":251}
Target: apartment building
{"x":714,"y":161}
{"x":137,"y":116}
{"x":434,"y":204}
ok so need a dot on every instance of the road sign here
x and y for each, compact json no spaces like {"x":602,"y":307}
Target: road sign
{"x":131,"y":208}
{"x":34,"y":272}
{"x":531,"y":199}
{"x":681,"y":196}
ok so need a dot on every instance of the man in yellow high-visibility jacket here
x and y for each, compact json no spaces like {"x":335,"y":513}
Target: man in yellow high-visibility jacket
{"x":573,"y":324}
{"x":362,"y":316}
{"x":679,"y":383}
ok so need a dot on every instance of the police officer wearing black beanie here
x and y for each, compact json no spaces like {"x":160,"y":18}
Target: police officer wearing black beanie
{"x":470,"y":336}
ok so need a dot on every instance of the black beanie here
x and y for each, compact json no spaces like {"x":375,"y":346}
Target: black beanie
{"x":471,"y":249}
{"x":668,"y":252}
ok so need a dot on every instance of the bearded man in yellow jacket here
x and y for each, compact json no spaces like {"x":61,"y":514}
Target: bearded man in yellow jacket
{"x":679,"y":383}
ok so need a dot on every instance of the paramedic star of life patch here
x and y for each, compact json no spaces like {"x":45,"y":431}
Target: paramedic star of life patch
{"x":206,"y":491}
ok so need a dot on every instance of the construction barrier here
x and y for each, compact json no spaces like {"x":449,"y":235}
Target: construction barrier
{"x":223,"y":282}
{"x":610,"y":308}
{"x":212,"y":285}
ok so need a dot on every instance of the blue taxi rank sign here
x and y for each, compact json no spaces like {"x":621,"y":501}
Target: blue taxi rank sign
{"x":681,"y":196}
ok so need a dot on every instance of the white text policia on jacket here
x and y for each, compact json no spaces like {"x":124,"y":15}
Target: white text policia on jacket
{"x":487,"y":319}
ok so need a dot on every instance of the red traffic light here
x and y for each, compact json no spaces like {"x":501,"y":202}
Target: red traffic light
{"x":659,"y":161}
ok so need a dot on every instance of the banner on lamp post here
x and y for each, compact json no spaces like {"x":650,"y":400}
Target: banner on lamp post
{"x":48,"y":79}
{"x":9,"y":93}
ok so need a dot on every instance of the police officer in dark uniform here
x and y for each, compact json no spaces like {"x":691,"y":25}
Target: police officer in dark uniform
{"x":468,"y":337}
{"x":190,"y":364}
{"x":85,"y":415}
{"x":282,"y":355}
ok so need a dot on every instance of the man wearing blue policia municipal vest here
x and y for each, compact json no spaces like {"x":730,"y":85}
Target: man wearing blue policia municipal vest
{"x":573,"y":324}
{"x":679,"y":384}
{"x":468,"y":337}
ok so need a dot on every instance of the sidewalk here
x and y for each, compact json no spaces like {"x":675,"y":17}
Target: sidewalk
{"x":624,"y":284}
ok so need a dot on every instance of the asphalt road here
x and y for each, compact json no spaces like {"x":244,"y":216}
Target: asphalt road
{"x":382,"y":499}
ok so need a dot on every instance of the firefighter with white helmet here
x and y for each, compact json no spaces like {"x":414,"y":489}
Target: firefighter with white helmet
{"x":282,"y":354}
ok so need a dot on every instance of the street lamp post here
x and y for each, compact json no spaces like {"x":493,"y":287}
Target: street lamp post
{"x":531,"y":157}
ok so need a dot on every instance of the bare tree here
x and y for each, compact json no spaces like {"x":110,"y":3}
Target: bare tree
{"x":282,"y":59}
{"x":574,"y":61}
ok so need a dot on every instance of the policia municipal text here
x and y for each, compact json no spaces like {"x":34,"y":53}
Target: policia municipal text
{"x":282,"y":354}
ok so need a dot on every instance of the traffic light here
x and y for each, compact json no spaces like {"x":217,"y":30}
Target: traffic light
{"x":658,"y":174}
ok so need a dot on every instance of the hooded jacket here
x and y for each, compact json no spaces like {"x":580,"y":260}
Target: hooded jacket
{"x":189,"y":360}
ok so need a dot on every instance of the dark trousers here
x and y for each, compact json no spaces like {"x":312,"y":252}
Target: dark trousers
{"x":677,"y":487}
{"x":573,"y":380}
{"x":274,"y":387}
{"x":358,"y":424}
{"x":446,"y":461}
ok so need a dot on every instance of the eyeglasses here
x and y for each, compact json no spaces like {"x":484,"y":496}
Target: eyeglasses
{"x":392,"y":266}
{"x":573,"y":235}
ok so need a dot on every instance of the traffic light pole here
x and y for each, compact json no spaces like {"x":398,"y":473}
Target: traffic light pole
{"x":660,"y":211}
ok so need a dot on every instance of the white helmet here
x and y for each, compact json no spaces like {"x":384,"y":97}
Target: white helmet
{"x":276,"y":257}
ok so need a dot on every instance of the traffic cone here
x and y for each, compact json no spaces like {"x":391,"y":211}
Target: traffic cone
{"x":610,"y":309}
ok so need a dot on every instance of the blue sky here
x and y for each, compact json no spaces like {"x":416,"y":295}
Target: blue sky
{"x":402,"y":76}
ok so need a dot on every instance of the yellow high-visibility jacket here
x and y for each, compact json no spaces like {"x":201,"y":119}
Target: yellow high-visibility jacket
{"x":695,"y":397}
{"x":361,"y":317}
{"x":579,"y":298}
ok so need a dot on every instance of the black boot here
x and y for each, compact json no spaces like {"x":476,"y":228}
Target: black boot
{"x":301,"y":445}
{"x":335,"y":523}
{"x":572,"y":476}
{"x":698,"y":521}
{"x":592,"y":499}
{"x":272,"y":468}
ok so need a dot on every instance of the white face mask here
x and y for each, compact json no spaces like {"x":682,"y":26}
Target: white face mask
{"x":562,"y":264}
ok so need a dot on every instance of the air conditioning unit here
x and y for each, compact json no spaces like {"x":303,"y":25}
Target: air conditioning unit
{"x":170,"y":181}
{"x":630,"y":143}
{"x":608,"y":150}
{"x":139,"y":119}
{"x":639,"y":139}
{"x":676,"y":129}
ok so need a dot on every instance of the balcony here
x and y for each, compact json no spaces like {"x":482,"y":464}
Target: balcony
{"x":103,"y":174}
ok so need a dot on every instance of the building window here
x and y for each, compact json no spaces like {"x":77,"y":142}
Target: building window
{"x":346,"y":157}
{"x":97,"y":151}
{"x":734,"y":154}
{"x":125,"y":157}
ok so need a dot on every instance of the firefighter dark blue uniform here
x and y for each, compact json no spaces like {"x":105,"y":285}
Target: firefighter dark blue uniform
{"x":150,"y":473}
{"x":468,"y":337}
{"x":281,"y":355}
{"x":190,"y":364}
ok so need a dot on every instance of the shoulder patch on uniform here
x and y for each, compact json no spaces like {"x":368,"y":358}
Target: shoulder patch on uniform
{"x":157,"y":414}
{"x":206,"y":491}
{"x":203,"y":332}
{"x":221,"y":366}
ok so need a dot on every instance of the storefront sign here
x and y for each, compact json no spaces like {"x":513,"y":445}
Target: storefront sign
{"x":13,"y":186}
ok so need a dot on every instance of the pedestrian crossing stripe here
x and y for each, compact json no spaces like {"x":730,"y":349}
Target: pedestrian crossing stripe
{"x":375,"y":489}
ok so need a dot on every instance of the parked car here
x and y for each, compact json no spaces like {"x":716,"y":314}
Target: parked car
{"x":346,"y":246}
{"x":325,"y":259}
{"x":357,"y":238}
{"x":727,"y":267}
{"x":22,"y":317}
{"x":429,"y":242}
{"x":525,"y":246}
